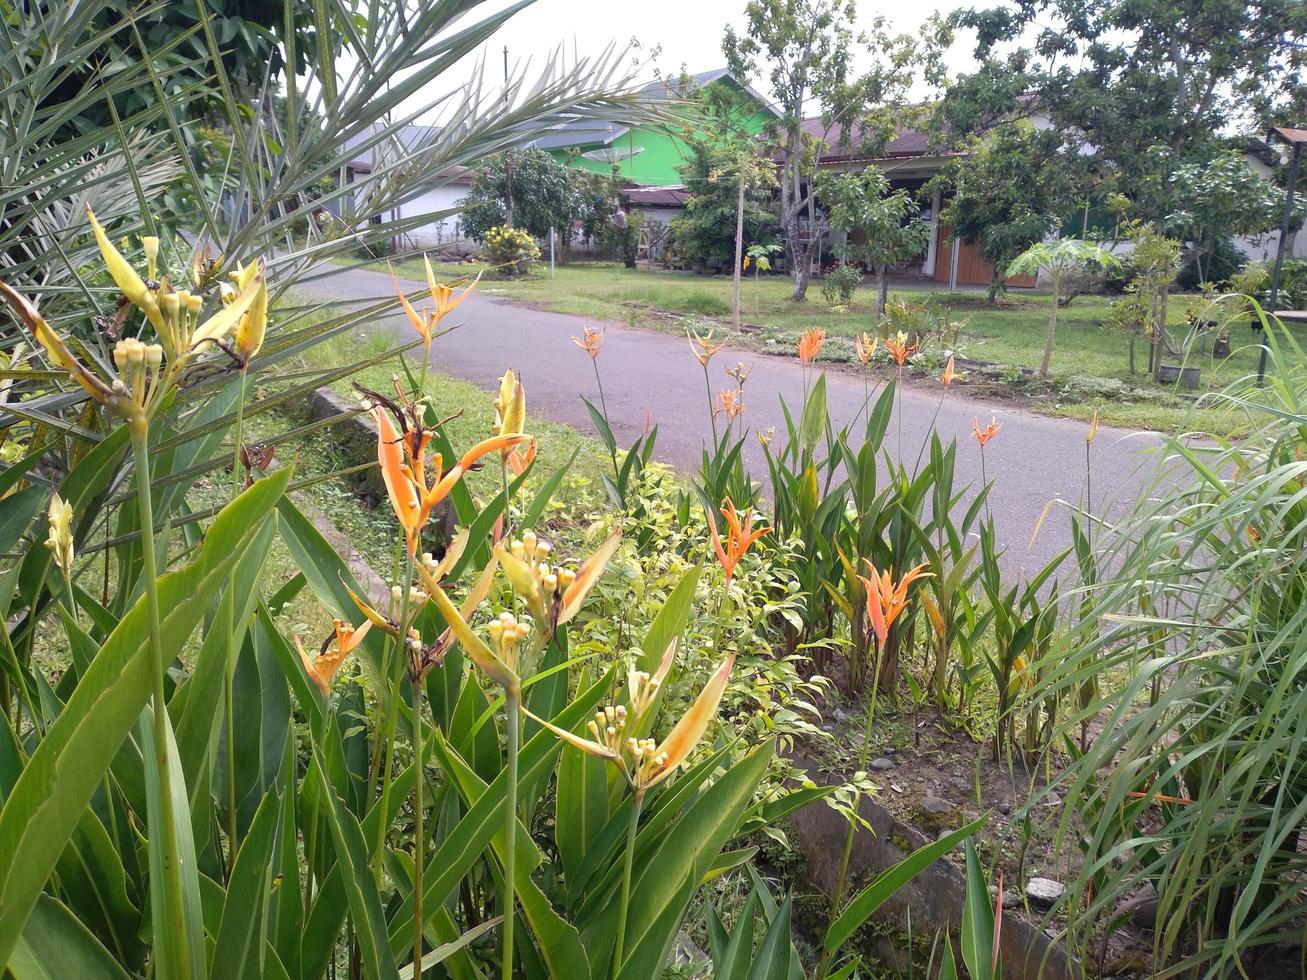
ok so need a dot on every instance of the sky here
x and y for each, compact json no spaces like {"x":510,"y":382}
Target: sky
{"x":674,"y":33}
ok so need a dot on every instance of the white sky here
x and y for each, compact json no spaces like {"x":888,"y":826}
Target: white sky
{"x":687,"y":32}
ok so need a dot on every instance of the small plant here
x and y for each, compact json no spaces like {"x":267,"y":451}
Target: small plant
{"x":840,"y":283}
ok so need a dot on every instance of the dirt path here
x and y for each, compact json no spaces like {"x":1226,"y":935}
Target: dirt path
{"x":651,"y":377}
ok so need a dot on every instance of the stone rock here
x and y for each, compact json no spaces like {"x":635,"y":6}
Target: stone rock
{"x":1140,"y":907}
{"x":1052,"y":800}
{"x":891,"y":750}
{"x":881,"y":764}
{"x":1043,"y":893}
{"x":1011,"y":899}
{"x":936,"y":806}
{"x":1005,"y":808}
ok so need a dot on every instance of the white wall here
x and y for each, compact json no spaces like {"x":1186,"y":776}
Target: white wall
{"x":440,"y":231}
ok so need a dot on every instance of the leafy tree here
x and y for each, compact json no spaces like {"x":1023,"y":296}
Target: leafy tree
{"x":1009,"y":193}
{"x":807,"y":50}
{"x":1058,"y":260}
{"x":546,"y":195}
{"x":1120,"y":77}
{"x":884,"y":227}
{"x":705,"y":230}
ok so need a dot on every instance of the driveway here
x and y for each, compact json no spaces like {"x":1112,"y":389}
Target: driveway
{"x":650,"y":376}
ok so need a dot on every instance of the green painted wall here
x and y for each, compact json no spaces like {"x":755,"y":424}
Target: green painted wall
{"x":659,"y":152}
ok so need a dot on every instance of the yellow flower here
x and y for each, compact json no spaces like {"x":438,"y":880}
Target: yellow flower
{"x":143,"y":295}
{"x":1093,"y":429}
{"x":254,"y":324}
{"x":552,"y":593}
{"x":591,"y":342}
{"x":60,"y":538}
{"x":323,"y":667}
{"x":702,"y":347}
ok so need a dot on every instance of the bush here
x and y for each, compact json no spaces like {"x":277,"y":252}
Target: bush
{"x":1223,"y":262}
{"x":508,"y":251}
{"x":839,"y":285}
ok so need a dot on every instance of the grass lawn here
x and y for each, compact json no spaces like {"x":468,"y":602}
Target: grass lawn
{"x":1090,"y":365}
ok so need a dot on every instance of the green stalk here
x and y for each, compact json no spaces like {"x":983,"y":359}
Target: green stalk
{"x":172,"y":878}
{"x":842,"y":880}
{"x":712,"y":416}
{"x":636,"y":804}
{"x":512,"y":700}
{"x":418,"y":848}
{"x":603,"y":403}
{"x":392,"y":711}
{"x":233,"y":651}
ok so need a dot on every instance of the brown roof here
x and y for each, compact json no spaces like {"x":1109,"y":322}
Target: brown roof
{"x":907,"y":142}
{"x":656,"y":197}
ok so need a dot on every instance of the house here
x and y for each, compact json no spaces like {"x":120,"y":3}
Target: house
{"x":428,"y":213}
{"x":646,"y":155}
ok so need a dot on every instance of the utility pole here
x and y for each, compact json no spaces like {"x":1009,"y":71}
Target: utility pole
{"x":508,"y":158}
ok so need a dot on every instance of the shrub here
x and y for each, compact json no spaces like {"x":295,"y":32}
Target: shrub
{"x":508,"y":251}
{"x":840,"y":283}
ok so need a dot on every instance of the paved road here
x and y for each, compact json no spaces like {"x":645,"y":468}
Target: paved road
{"x":650,"y":375}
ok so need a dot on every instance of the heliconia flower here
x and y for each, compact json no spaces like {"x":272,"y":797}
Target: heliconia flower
{"x":143,"y":295}
{"x":740,"y":373}
{"x":702,"y":348}
{"x":590,"y":342}
{"x":949,"y":375}
{"x":411,"y":497}
{"x":60,"y":537}
{"x":865,"y":344}
{"x":936,"y":619}
{"x":214,"y":329}
{"x":1093,"y":429}
{"x":899,"y":348}
{"x":203,"y":264}
{"x":810,"y":344}
{"x":765,"y":438}
{"x":987,"y":433}
{"x":518,"y":461}
{"x":442,"y":294}
{"x":510,"y":406}
{"x":646,"y":762}
{"x":552,"y":593}
{"x":730,"y":403}
{"x":254,"y":324}
{"x":323,"y":667}
{"x":740,"y":537}
{"x":59,"y":352}
{"x":487,"y":660}
{"x":886,"y":600}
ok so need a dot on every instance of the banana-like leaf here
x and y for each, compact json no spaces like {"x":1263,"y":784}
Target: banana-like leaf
{"x":241,"y":937}
{"x":55,"y":945}
{"x":47,"y":801}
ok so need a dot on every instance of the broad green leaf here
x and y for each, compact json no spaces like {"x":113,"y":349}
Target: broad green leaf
{"x":775,"y":958}
{"x":16,"y":513}
{"x":867,"y":901}
{"x":242,"y":936}
{"x":669,"y":623}
{"x":582,"y":801}
{"x":977,"y":937}
{"x":56,"y":946}
{"x":61,"y":775}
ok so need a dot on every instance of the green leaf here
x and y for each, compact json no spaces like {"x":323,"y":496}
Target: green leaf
{"x":242,"y":935}
{"x":977,"y":921}
{"x":775,"y":959}
{"x":61,"y":775}
{"x":669,"y":623}
{"x":582,"y":806}
{"x":56,"y":946}
{"x":360,"y":884}
{"x":16,"y":513}
{"x":813,"y":423}
{"x":867,"y":901}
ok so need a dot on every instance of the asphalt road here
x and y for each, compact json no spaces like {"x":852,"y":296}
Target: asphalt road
{"x":652,"y":377}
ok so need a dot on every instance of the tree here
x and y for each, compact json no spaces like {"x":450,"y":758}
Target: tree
{"x":704,"y":231}
{"x":1122,"y":76}
{"x":1010,"y":191}
{"x":1058,"y":260}
{"x":545,"y":193}
{"x":806,"y":49}
{"x":884,"y":227}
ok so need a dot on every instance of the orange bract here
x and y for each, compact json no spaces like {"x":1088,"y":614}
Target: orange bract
{"x":702,"y":347}
{"x":740,"y":537}
{"x":810,"y":344}
{"x":323,"y":667}
{"x":987,"y":433}
{"x":949,"y":375}
{"x":731,"y":403}
{"x":900,"y":349}
{"x":865,"y":345}
{"x":590,"y":342}
{"x":442,"y":295}
{"x":885,"y":599}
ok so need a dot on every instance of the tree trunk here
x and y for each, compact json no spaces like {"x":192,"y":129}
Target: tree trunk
{"x":1132,"y":355}
{"x":882,"y":290}
{"x":1052,"y":329}
{"x":739,"y":251}
{"x":1160,"y":330}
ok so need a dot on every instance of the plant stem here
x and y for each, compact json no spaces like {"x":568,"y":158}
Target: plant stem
{"x":603,"y":404}
{"x":712,"y":416}
{"x":841,"y":881}
{"x":511,"y":702}
{"x":637,"y":803}
{"x":172,"y":878}
{"x":392,"y":710}
{"x":233,"y":650}
{"x":418,"y":848}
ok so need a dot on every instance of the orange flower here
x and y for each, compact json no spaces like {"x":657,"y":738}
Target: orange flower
{"x":442,"y":295}
{"x":885,"y":600}
{"x":731,"y":403}
{"x":591,"y":342}
{"x":324,"y":666}
{"x":949,"y":375}
{"x":404,"y":468}
{"x":518,"y":461}
{"x":900,"y":349}
{"x":865,"y":344}
{"x":702,"y":347}
{"x":983,"y":435}
{"x":810,"y":344}
{"x":739,"y":538}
